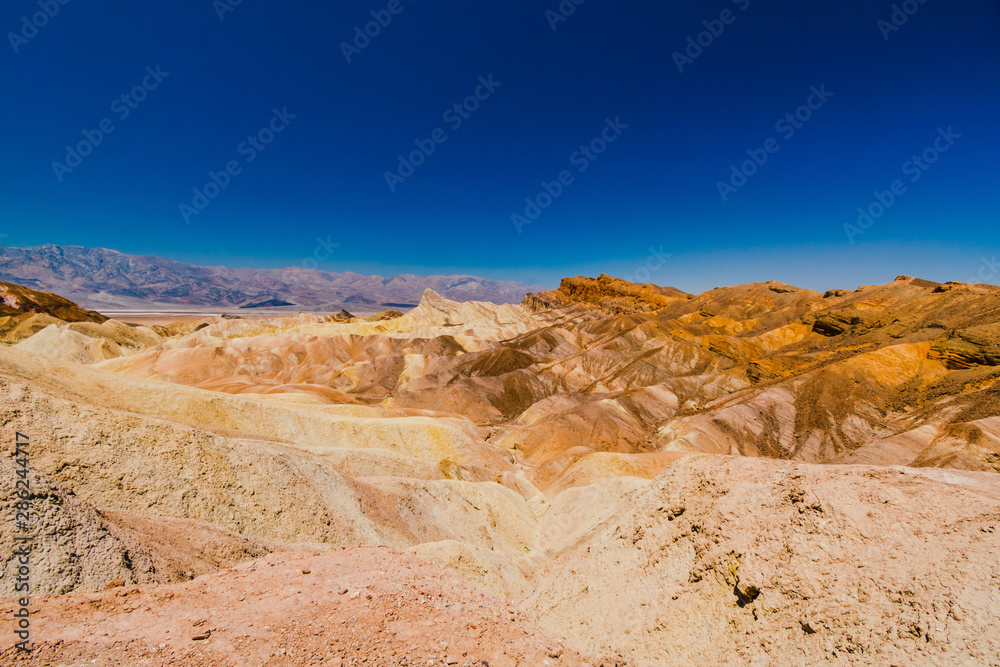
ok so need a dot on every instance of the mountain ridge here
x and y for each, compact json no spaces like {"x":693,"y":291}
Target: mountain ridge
{"x":101,"y":278}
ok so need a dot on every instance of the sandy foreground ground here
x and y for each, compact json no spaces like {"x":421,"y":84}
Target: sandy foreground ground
{"x":353,"y":606}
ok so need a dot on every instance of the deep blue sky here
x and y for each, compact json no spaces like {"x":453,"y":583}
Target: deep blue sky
{"x":656,"y":185}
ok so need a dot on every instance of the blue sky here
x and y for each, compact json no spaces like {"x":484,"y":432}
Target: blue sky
{"x":630,"y":195}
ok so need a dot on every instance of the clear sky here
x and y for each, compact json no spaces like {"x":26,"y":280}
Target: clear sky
{"x":663,"y":120}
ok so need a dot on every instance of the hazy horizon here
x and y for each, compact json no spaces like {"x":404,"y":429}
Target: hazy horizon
{"x":689,"y":272}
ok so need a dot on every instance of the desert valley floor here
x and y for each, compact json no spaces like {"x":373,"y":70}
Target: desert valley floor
{"x":605,"y":474}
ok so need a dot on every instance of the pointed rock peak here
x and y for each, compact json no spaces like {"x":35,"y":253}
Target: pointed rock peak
{"x":435,"y":305}
{"x":432,"y":298}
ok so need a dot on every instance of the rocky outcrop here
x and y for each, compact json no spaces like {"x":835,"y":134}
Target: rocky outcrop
{"x":17,"y":302}
{"x":611,"y":294}
{"x":967,"y":348}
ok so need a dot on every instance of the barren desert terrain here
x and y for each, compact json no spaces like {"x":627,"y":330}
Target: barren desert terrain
{"x":605,"y":474}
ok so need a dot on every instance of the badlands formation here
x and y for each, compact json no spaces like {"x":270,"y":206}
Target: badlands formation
{"x":606,"y":474}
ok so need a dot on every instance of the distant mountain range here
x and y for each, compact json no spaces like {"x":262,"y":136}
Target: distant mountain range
{"x":109,"y":280}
